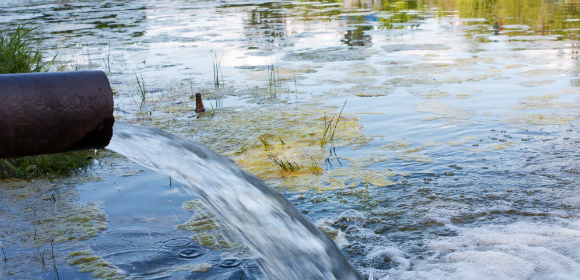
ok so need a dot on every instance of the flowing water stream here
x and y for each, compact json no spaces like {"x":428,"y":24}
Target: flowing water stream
{"x":289,"y":246}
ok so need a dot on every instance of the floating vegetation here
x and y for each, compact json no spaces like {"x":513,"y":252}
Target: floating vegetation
{"x":435,"y":107}
{"x":414,"y":157}
{"x":202,"y":267}
{"x":536,"y":83}
{"x":419,"y":69}
{"x":331,"y":54}
{"x":413,"y":47}
{"x":207,"y":230}
{"x":431,"y":144}
{"x":543,"y":72}
{"x":414,"y":80}
{"x":545,"y":119}
{"x":363,"y":81}
{"x":363,"y":70}
{"x":428,"y":93}
{"x":87,"y":261}
{"x":396,"y":145}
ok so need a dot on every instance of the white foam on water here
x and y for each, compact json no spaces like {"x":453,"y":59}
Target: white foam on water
{"x":532,"y":249}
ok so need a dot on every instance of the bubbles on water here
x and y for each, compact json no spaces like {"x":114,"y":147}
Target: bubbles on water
{"x":190,"y":253}
{"x":230,"y":262}
{"x":176,"y":242}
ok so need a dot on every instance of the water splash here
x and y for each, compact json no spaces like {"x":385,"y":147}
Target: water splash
{"x":289,"y":246}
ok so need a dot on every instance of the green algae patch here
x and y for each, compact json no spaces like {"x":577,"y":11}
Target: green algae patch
{"x":431,"y":144}
{"x":414,"y":157}
{"x":52,"y":213}
{"x":363,"y":70}
{"x":435,"y":107}
{"x":542,"y":119}
{"x":207,"y":231}
{"x":396,"y":145}
{"x":421,"y":68}
{"x":413,"y":150}
{"x":202,"y":267}
{"x":363,"y":81}
{"x":514,"y":66}
{"x":415,"y":47}
{"x":546,"y":101}
{"x":543,"y":72}
{"x":462,"y":96}
{"x":87,"y":261}
{"x":428,"y":93}
{"x":412,"y":81}
{"x":366,"y":90}
{"x":536,"y":83}
{"x":331,"y":54}
{"x":462,"y":141}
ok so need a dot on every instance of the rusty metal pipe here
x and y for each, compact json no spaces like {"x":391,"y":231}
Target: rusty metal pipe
{"x":45,"y":113}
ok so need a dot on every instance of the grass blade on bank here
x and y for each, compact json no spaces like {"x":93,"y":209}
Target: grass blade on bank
{"x":18,"y":53}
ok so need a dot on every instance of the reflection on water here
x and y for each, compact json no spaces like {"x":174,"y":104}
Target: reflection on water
{"x":470,"y":109}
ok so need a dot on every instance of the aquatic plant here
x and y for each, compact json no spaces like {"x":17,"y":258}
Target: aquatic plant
{"x":265,"y":143}
{"x":285,"y":164}
{"x":329,"y":130}
{"x":314,"y":168}
{"x":108,"y":57}
{"x":274,"y":80}
{"x":217,"y":71}
{"x":18,"y":53}
{"x":141,"y":89}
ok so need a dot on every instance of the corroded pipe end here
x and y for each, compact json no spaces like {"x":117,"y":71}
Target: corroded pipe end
{"x":44,"y":113}
{"x":198,"y":103}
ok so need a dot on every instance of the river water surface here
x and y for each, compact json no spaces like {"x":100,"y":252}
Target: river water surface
{"x":455,"y":156}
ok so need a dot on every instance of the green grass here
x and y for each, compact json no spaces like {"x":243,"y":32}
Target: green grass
{"x":329,"y":130}
{"x":217,"y":71}
{"x":285,"y":164}
{"x":265,"y":143}
{"x":141,"y":89}
{"x":45,"y":165}
{"x":20,"y":53}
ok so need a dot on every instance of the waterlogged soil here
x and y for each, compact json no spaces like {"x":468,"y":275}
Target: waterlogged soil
{"x":429,"y":141}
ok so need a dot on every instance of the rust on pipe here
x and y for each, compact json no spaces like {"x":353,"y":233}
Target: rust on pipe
{"x":198,"y":103}
{"x":45,"y":113}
